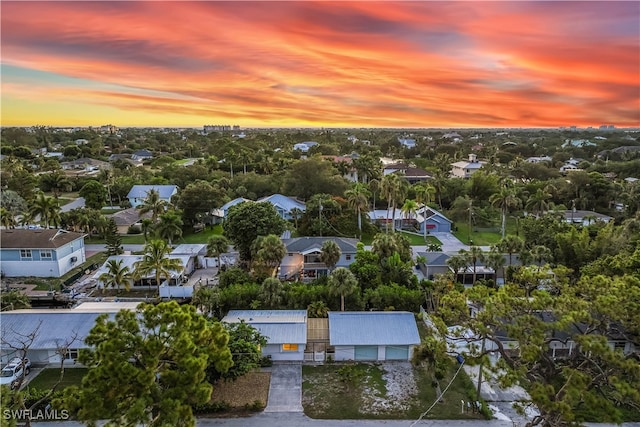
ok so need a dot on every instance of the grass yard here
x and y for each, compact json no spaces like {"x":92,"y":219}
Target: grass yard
{"x":381,"y":391}
{"x":49,"y":377}
{"x":188,"y":236}
{"x":243,"y":391}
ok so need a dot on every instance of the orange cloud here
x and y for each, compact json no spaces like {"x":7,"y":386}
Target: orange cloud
{"x":326,"y":64}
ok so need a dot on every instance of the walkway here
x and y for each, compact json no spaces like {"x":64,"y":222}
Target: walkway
{"x":76,"y":204}
{"x":285,"y":390}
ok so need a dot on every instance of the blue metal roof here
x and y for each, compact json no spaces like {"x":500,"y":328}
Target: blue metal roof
{"x":284,"y":202}
{"x":373,"y":328}
{"x":234,"y":202}
{"x":142,"y":191}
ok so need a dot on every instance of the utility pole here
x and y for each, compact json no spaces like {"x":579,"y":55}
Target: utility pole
{"x":480,"y":370}
{"x":320,"y":217}
{"x":469,"y":231}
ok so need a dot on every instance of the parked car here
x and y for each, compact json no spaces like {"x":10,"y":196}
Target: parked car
{"x":12,"y":374}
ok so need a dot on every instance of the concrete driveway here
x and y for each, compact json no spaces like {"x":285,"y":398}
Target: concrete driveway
{"x":285,"y":390}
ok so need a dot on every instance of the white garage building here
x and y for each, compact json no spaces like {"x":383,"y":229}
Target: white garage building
{"x":373,"y":335}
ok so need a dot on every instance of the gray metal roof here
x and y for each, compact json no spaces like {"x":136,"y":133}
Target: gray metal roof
{"x":373,"y":328}
{"x":279,"y":326}
{"x":142,"y":191}
{"x":54,"y":329}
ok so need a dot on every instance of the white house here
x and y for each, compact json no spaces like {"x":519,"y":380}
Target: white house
{"x":139,"y":193}
{"x":284,"y":205}
{"x":539,"y":159}
{"x":304,"y":146}
{"x":584,"y":217}
{"x":286,"y":330}
{"x":41,"y":252}
{"x":373,"y":335}
{"x":53,"y":330}
{"x":464,"y":169}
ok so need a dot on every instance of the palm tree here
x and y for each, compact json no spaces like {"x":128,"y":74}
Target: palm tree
{"x":146,"y":226}
{"x":342,"y":282}
{"x":330,"y":254}
{"x":390,"y":186}
{"x":511,"y":245}
{"x":374,"y":188}
{"x":56,"y":181}
{"x":358,"y":199}
{"x":154,"y":204}
{"x":457,"y":263}
{"x":541,"y":253}
{"x":154,"y":261}
{"x":6,"y":218}
{"x":504,"y":199}
{"x":538,"y":202}
{"x":269,"y":251}
{"x":296,"y":213}
{"x":46,"y":207}
{"x":318,"y":309}
{"x":170,"y":226}
{"x":495,"y":261}
{"x":409,"y":209}
{"x":272,"y":292}
{"x":116,"y":275}
{"x":474,"y":256}
{"x":217,"y":245}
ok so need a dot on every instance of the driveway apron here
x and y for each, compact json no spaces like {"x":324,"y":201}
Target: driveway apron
{"x":285,"y":390}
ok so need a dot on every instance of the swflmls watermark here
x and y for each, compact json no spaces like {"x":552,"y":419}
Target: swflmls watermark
{"x":36,"y":415}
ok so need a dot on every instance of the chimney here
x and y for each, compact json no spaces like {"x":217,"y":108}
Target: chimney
{"x":473,"y":158}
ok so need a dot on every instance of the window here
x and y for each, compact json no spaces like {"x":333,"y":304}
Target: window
{"x":289,"y":347}
{"x":25,"y":254}
{"x":46,"y":254}
{"x":72,"y":354}
{"x":348,"y":257}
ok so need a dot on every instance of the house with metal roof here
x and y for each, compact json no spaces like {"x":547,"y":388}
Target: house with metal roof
{"x":373,"y":335}
{"x":286,"y":330}
{"x":303,"y":262}
{"x":139,"y":193}
{"x":584,"y":217}
{"x":40,"y":252}
{"x":52,"y":330}
{"x":284,"y":205}
{"x":434,"y":221}
{"x":224,"y":209}
{"x":464,"y":169}
{"x":304,"y":146}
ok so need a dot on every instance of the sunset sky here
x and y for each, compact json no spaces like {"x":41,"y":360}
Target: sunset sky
{"x":333,"y":64}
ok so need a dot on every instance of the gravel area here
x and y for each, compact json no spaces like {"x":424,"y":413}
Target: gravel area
{"x":401,"y":387}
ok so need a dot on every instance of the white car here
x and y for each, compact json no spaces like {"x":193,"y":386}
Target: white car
{"x":13,"y":374}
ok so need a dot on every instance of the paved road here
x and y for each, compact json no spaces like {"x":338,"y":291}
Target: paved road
{"x":76,"y":204}
{"x":285,"y":388}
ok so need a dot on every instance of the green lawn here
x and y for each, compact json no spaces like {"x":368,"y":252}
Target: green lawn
{"x":188,"y":237}
{"x":363,"y":393}
{"x":49,"y":377}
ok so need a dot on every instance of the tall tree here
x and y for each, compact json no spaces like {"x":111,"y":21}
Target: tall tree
{"x":271,"y":292}
{"x":474,"y":256}
{"x":245,"y":344}
{"x":7,"y":220}
{"x":330,"y":253}
{"x":94,"y":194}
{"x":358,"y":200}
{"x":54,"y":181}
{"x":147,"y":367}
{"x":169,"y":226}
{"x":511,"y":245}
{"x":116,"y":276}
{"x":384,"y":245}
{"x":538,"y":202}
{"x":216,"y":246}
{"x":112,"y":238}
{"x":155,"y":261}
{"x":409,"y":208}
{"x":247,"y":221}
{"x":47,"y":208}
{"x":268,"y":251}
{"x":342,"y":282}
{"x":154,"y":204}
{"x":504,"y":200}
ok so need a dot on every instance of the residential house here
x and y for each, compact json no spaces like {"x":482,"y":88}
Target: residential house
{"x":142,"y":155}
{"x":128,"y":218}
{"x":410,"y":173}
{"x":434,"y":221}
{"x":407,"y":142}
{"x":539,"y":159}
{"x":350,"y":173}
{"x":303,"y":257}
{"x":139,"y":193}
{"x":578,"y":143}
{"x":436,"y":263}
{"x":40,"y":252}
{"x":53,"y":330}
{"x":584,"y":217}
{"x":196,"y":252}
{"x":81,"y":141}
{"x":373,"y":335}
{"x":304,"y":146}
{"x":177,"y":279}
{"x":464,"y":169}
{"x":452,"y":136}
{"x":85,"y":164}
{"x":126,"y":158}
{"x":286,"y":331}
{"x":284,"y":205}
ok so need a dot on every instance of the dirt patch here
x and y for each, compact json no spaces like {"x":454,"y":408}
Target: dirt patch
{"x":246,"y":390}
